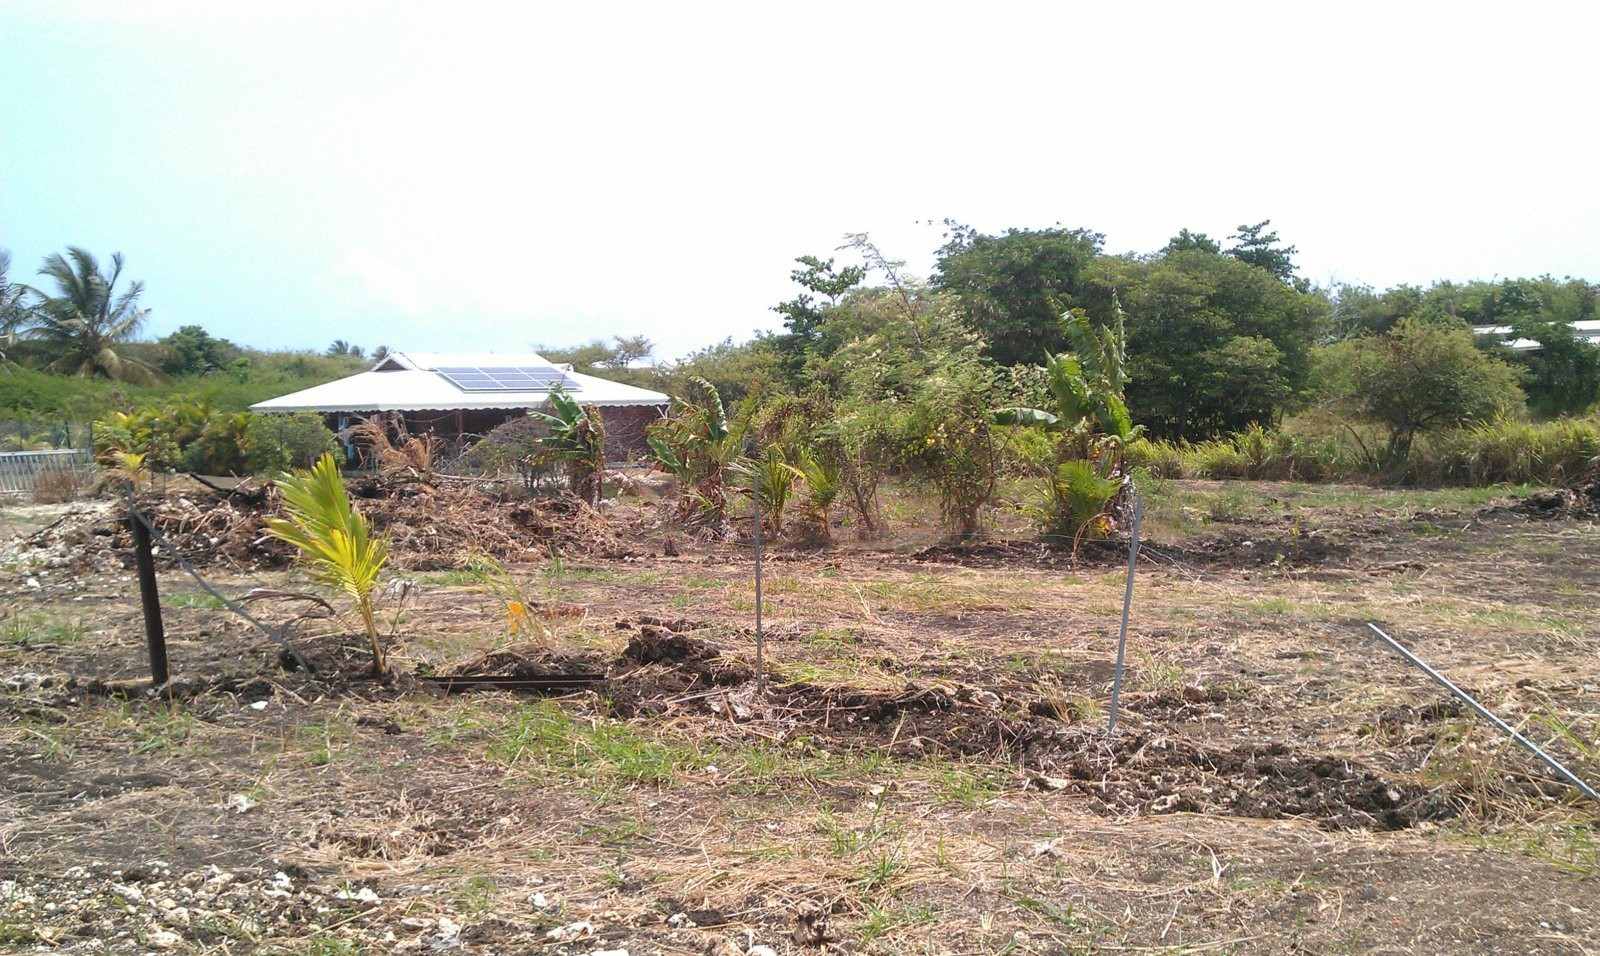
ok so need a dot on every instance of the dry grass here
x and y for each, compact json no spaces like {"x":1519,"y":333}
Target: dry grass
{"x":723,"y":818}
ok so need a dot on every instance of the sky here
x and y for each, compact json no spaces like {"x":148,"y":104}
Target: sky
{"x":498,"y":176}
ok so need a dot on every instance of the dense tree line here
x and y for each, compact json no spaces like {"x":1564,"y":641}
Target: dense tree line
{"x":1222,"y":334}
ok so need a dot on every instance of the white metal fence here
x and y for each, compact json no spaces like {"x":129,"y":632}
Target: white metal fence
{"x":20,"y":471}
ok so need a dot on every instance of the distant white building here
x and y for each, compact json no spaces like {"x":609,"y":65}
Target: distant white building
{"x":462,"y":394}
{"x":1587,"y":330}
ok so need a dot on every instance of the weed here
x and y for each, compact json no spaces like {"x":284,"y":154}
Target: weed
{"x":1230,"y":504}
{"x":965,"y":786}
{"x":200,"y":600}
{"x":541,"y":735}
{"x":41,"y":630}
{"x":883,"y":920}
{"x":323,"y":946}
{"x":832,"y":638}
{"x":324,"y":740}
{"x":477,"y":896}
{"x":1156,"y":675}
{"x":53,"y":746}
{"x":880,"y":870}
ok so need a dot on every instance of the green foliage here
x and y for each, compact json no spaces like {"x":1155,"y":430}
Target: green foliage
{"x":734,"y":370}
{"x":193,"y":435}
{"x":1506,"y":451}
{"x":1213,"y":342}
{"x":1420,"y":377}
{"x":577,"y":438}
{"x":1080,"y":497}
{"x":698,"y":444}
{"x":1500,"y":451}
{"x":1562,"y":375}
{"x":614,"y":358}
{"x":1091,"y":422}
{"x":335,"y":539}
{"x":803,"y":315}
{"x":860,"y":442}
{"x":823,"y":478}
{"x":1013,"y":286}
{"x":274,"y":443}
{"x":193,"y":351}
{"x":221,"y":446}
{"x":775,"y":478}
{"x":1260,"y":248}
{"x":949,"y":440}
{"x":83,"y":327}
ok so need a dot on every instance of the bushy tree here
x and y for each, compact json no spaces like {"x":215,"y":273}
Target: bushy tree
{"x":1013,"y":286}
{"x":1214,"y":342}
{"x":194,"y":351}
{"x":1418,"y":377}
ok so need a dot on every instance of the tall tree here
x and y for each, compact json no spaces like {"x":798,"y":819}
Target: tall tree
{"x":1015,"y":286}
{"x":13,"y":305}
{"x":803,"y":313}
{"x":1186,"y":241}
{"x":1260,"y":248}
{"x":80,"y":329}
{"x":1214,"y":343}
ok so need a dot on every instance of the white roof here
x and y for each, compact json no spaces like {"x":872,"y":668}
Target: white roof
{"x":410,"y":382}
{"x":1587,"y":330}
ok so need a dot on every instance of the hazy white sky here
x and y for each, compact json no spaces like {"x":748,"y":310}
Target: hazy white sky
{"x":498,"y":175}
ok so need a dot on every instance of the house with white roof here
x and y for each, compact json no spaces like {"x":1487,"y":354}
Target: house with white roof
{"x":462,"y":395}
{"x":1584,"y":330}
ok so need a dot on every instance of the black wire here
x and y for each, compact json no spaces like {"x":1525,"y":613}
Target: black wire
{"x":231,"y":605}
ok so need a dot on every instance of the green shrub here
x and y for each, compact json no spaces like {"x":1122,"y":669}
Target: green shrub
{"x":274,"y":443}
{"x":219,"y":449}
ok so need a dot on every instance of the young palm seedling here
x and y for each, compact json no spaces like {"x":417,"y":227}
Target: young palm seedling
{"x":335,"y":539}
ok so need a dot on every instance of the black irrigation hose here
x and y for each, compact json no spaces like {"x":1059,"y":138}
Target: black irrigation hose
{"x":227,"y":602}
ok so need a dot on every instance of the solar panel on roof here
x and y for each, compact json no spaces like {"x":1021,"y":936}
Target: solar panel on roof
{"x":508,"y":378}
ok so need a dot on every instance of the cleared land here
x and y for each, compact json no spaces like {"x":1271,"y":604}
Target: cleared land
{"x":927,"y":773}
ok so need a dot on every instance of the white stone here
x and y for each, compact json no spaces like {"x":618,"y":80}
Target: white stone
{"x":575,"y":930}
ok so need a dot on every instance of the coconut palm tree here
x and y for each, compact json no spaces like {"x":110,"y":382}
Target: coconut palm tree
{"x":13,"y":306}
{"x":79,"y":329}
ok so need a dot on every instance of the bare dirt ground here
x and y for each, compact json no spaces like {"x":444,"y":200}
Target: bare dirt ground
{"x":927,"y":770}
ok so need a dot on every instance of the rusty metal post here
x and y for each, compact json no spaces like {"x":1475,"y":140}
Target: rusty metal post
{"x":144,"y":559}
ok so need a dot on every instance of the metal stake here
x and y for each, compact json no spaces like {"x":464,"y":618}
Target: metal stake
{"x":1127,"y":604}
{"x":1486,"y":714}
{"x":155,"y":633}
{"x":761,"y":671}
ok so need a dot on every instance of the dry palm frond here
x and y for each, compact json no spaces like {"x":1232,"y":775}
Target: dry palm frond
{"x":413,"y":451}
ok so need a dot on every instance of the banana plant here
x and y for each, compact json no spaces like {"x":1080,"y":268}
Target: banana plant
{"x":335,"y":539}
{"x":1091,"y":418}
{"x":699,"y":445}
{"x":1086,"y":384}
{"x":577,"y":437}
